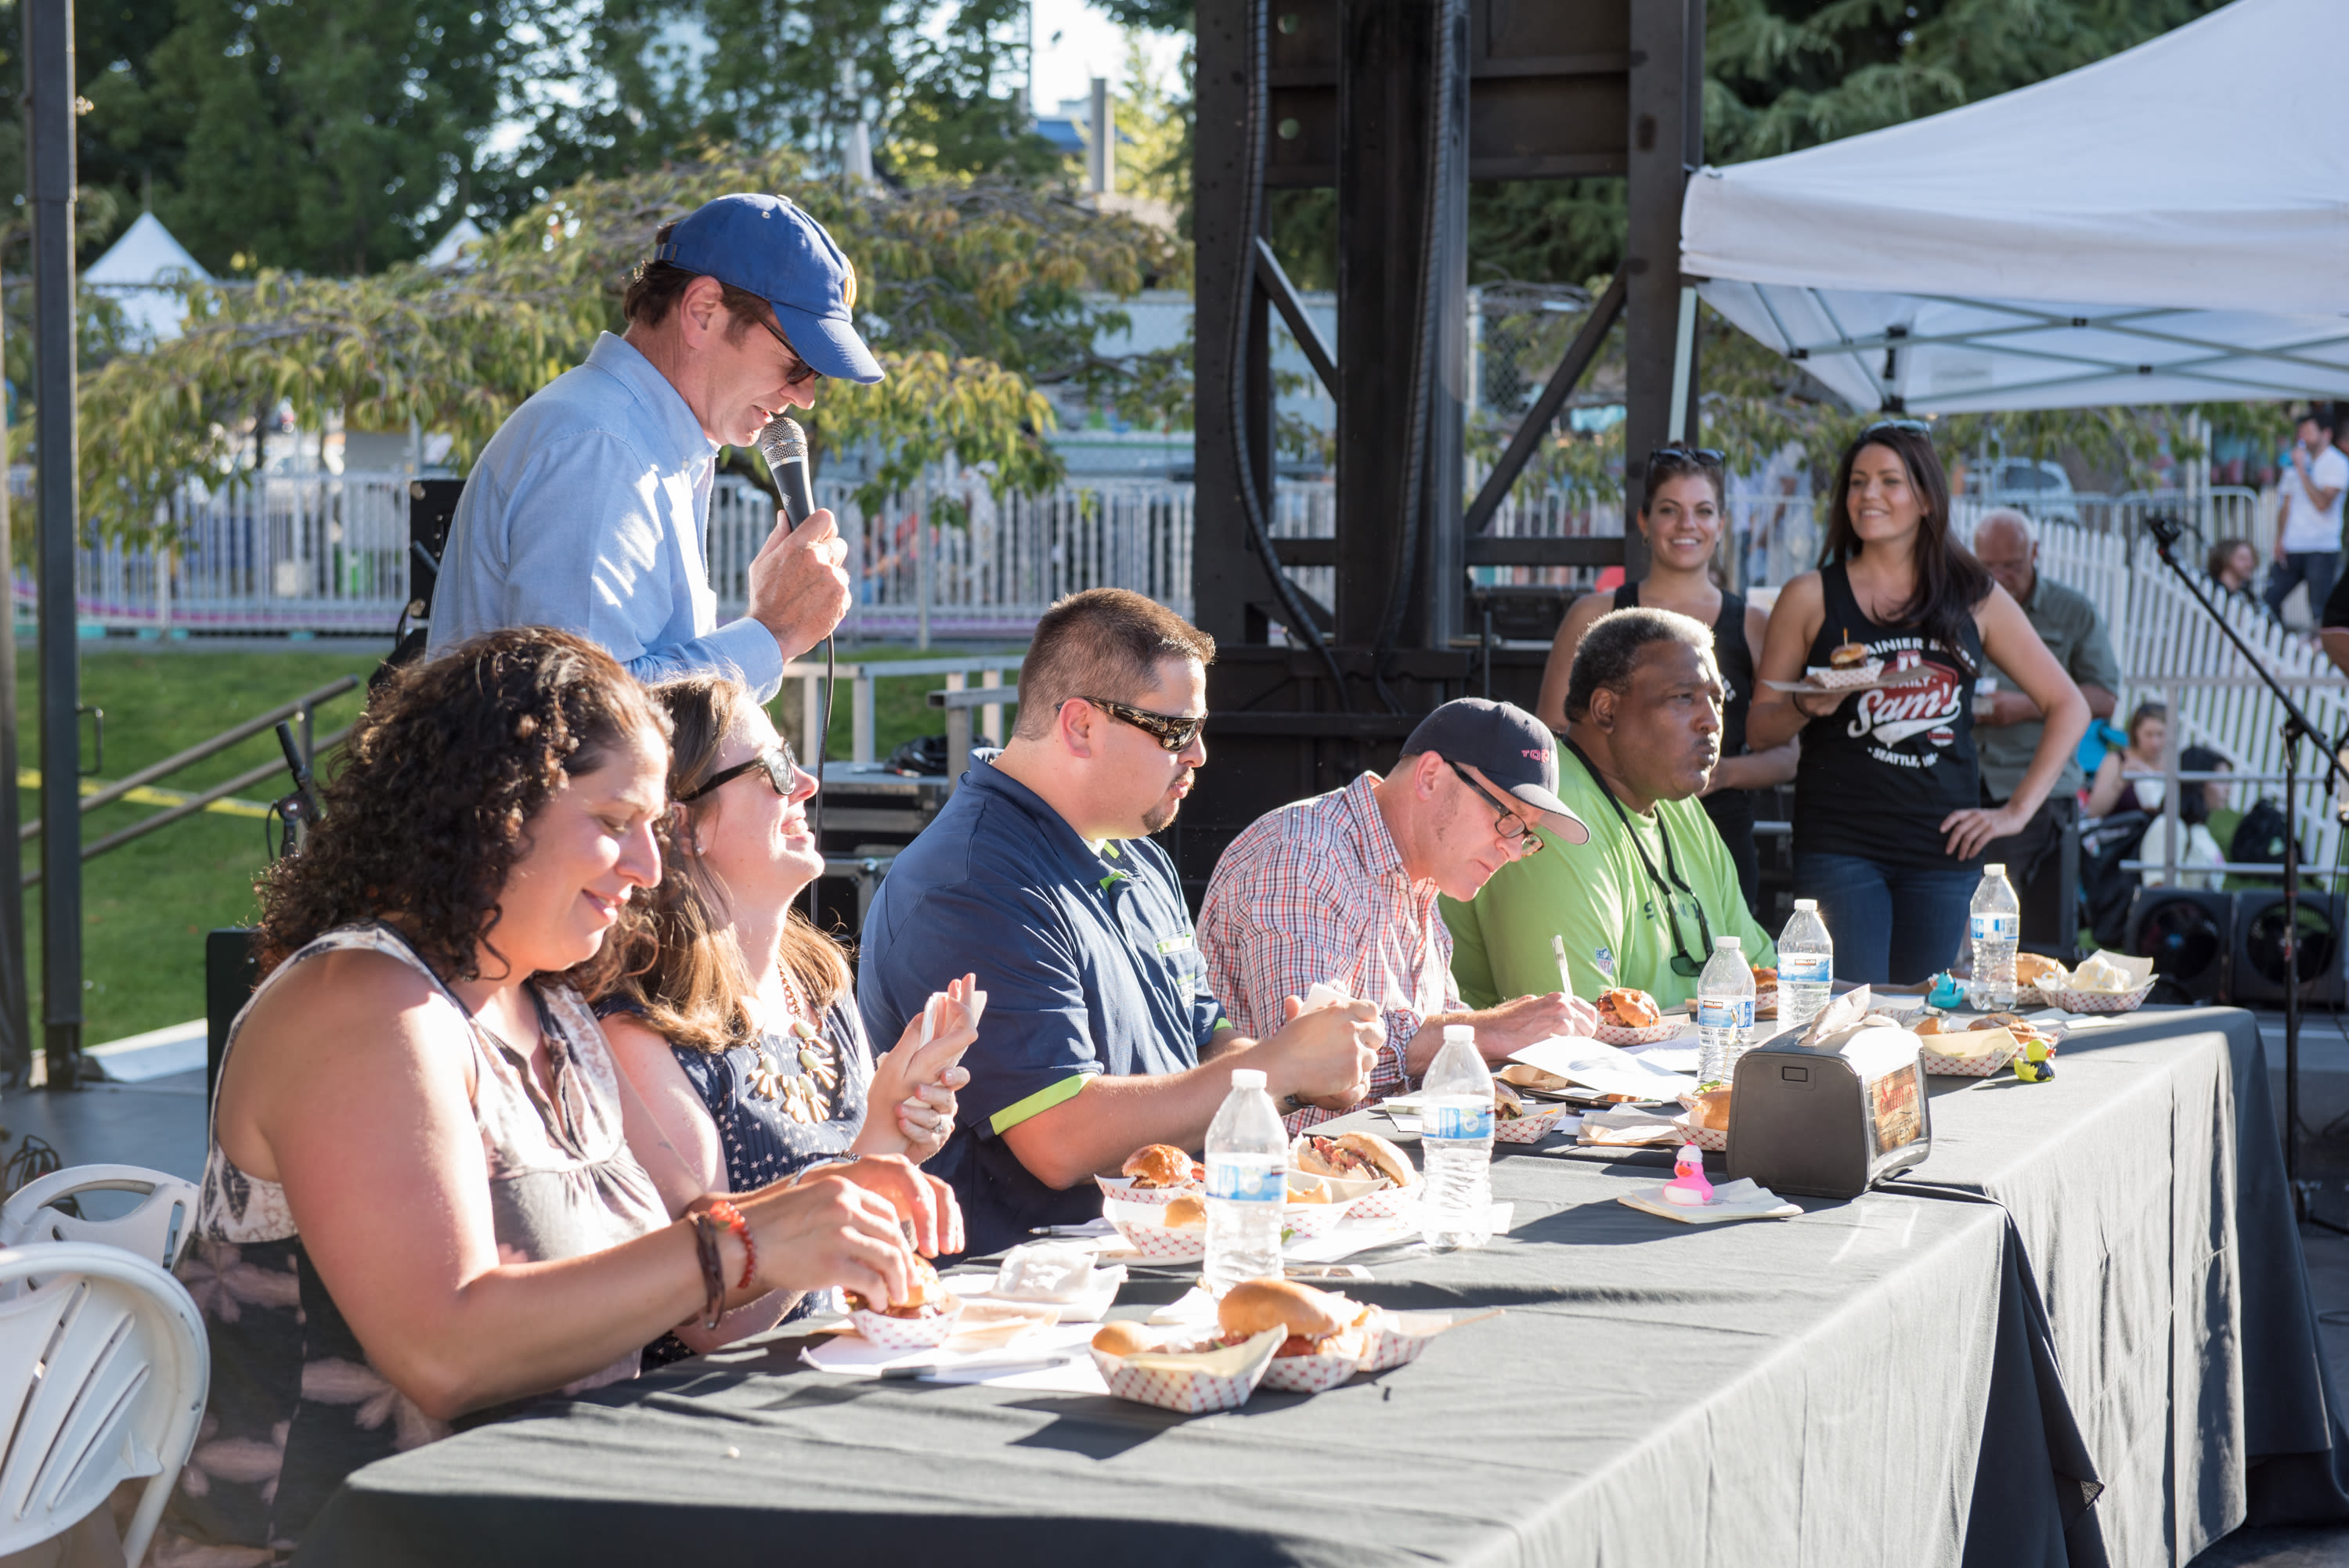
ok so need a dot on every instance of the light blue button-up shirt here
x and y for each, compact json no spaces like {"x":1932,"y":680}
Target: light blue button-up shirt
{"x":589,"y":512}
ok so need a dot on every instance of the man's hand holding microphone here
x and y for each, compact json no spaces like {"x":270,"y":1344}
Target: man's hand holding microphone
{"x":799,"y":580}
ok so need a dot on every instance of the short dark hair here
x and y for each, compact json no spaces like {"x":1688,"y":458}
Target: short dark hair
{"x":1667,"y":463}
{"x":1611,"y":651}
{"x":2193,"y":805}
{"x":1104,"y":643}
{"x":657,"y":287}
{"x":2222,"y":555}
{"x":2319,"y":415}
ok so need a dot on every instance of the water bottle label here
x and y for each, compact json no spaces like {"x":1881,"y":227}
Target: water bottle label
{"x":1471,"y":1122}
{"x":1247,"y":1181}
{"x":1806,"y":968}
{"x":1993,"y":928}
{"x":1725,"y":1012}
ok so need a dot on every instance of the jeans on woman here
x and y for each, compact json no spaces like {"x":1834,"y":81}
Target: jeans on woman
{"x":1891,"y":924}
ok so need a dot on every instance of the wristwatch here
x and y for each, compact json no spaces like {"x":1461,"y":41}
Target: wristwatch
{"x":813,"y":1166}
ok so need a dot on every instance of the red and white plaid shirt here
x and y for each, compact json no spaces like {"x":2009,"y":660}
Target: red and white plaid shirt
{"x":1316,"y":891}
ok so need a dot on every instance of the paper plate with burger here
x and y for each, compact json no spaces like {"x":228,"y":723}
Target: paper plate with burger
{"x":1979,"y":1049}
{"x":1169,"y":1233}
{"x":1629,"y":1017}
{"x":1370,"y":1176}
{"x":1155,"y":1173}
{"x":924,"y":1322}
{"x":1515,"y":1121}
{"x":1706,"y":1121}
{"x":1191,"y":1374}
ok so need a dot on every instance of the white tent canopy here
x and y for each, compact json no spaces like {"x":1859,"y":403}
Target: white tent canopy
{"x":2170,"y":224}
{"x":138,"y":270}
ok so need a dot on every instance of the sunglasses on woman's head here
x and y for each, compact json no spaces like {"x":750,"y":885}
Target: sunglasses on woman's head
{"x":1709,"y":456}
{"x":1174,"y":730}
{"x":782,"y":772}
{"x":1914,"y":426}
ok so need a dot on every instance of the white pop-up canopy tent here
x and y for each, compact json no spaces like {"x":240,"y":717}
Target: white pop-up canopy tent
{"x":2170,"y":224}
{"x":139,"y":270}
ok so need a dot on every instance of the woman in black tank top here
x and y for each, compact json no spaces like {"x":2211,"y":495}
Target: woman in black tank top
{"x":1681,"y":522}
{"x":1888,"y":827}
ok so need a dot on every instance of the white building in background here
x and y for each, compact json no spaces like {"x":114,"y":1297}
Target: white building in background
{"x":138,"y":271}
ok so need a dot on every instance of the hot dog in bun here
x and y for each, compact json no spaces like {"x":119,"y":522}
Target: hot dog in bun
{"x":1317,"y":1323}
{"x":1162,"y":1165}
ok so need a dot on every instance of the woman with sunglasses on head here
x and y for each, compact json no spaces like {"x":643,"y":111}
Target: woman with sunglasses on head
{"x":732,"y":1016}
{"x":1682,"y":519}
{"x":1888,"y":824}
{"x":430,"y":1193}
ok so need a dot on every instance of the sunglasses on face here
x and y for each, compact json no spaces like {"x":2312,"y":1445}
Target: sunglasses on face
{"x":782,"y":772}
{"x":801,"y":372}
{"x":1174,"y":731}
{"x":1508,"y":825}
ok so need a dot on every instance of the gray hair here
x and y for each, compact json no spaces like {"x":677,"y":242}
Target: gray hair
{"x":2021,"y":520}
{"x":1611,"y":651}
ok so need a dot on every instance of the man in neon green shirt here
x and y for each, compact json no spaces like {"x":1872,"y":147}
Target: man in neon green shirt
{"x":1640,"y":905}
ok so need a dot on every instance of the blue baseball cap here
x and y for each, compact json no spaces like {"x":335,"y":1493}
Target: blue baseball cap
{"x":1508,"y":745}
{"x":769,"y":246}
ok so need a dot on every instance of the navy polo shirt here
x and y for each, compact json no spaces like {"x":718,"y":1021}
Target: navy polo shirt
{"x":1088,"y":964}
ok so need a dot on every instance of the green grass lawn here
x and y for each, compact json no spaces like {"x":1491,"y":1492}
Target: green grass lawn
{"x":147,"y":905}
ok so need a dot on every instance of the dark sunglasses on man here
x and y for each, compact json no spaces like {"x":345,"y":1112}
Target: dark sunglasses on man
{"x":1172,"y":731}
{"x":782,"y":772}
{"x":801,"y":372}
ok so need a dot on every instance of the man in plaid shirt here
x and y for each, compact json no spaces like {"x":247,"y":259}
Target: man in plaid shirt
{"x":1341,"y":889}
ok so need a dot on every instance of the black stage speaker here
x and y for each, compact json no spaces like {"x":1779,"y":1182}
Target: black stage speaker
{"x":2189,"y":934}
{"x":231,"y":972}
{"x":2256,"y":978}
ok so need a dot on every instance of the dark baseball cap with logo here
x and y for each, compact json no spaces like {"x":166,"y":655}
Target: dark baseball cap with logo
{"x":769,"y":245}
{"x":1507,"y":745}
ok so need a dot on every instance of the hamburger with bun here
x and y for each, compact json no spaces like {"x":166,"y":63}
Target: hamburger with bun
{"x":1124,"y":1339}
{"x":930,"y":1297}
{"x":1162,"y":1165}
{"x":1848,"y":655}
{"x":1317,"y":1323}
{"x":1361,"y":1155}
{"x":2036,"y":970}
{"x":1627,"y":1009}
{"x":1711,"y":1110}
{"x":1183,"y":1214}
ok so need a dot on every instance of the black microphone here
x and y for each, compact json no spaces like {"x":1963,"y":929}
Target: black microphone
{"x":784,"y":445}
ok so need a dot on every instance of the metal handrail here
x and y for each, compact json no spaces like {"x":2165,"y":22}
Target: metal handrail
{"x":300,"y":706}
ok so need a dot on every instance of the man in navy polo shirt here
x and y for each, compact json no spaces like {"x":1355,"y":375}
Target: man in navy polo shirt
{"x":1101,"y":1034}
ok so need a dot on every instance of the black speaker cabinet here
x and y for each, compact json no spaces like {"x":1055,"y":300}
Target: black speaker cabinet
{"x":2189,"y":934}
{"x":231,"y":972}
{"x":2257,"y":965}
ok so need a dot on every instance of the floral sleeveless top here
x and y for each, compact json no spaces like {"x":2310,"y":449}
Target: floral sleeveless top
{"x":295,"y":1406}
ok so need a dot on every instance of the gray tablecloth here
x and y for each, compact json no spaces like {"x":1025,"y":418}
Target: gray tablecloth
{"x":1873,"y":1382}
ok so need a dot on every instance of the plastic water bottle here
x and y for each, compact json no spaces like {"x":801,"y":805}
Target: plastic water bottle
{"x":1248,"y":1165}
{"x":1806,"y":965}
{"x":1455,"y":1142}
{"x":1724,"y":1012}
{"x":1995,"y":924}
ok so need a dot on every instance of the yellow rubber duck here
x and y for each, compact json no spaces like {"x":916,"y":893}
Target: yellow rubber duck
{"x":2036,"y":1064}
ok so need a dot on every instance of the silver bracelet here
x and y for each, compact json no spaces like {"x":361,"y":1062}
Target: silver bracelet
{"x":829,"y":1160}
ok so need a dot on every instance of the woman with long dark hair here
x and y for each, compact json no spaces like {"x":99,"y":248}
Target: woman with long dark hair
{"x":430,"y":1193}
{"x":1888,"y":824}
{"x":1682,"y":520}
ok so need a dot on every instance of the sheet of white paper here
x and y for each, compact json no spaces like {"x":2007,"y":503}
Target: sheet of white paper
{"x":853,"y":1355}
{"x":1677,"y":1055}
{"x":1604,"y":1067}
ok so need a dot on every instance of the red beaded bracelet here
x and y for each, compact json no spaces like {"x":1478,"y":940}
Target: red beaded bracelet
{"x":727,"y":1214}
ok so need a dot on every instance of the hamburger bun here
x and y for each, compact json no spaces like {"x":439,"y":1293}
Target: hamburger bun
{"x":930,"y":1298}
{"x":1160,"y":1165}
{"x":1183,"y":1214}
{"x":1122,"y":1339}
{"x":1764,"y":977}
{"x":2037,"y":970}
{"x":1711,"y":1110}
{"x":1930,"y":1024}
{"x":1316,"y":1322}
{"x":1307,"y":1189}
{"x":1385,"y":1159}
{"x":1507,"y":1104}
{"x":1847,"y":655}
{"x":1357,"y":1156}
{"x":1627,"y":1009}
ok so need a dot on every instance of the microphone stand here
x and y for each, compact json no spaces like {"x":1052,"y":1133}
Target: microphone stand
{"x":2296,"y":727}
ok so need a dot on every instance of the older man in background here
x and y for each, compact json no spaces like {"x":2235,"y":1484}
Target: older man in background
{"x":1341,"y":888}
{"x":2007,"y":723}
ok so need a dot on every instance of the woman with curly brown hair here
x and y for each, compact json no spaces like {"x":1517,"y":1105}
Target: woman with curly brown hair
{"x":421,"y":1199}
{"x":731,"y":1015}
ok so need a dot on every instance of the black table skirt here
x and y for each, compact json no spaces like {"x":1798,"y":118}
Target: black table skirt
{"x":2120,"y":1370}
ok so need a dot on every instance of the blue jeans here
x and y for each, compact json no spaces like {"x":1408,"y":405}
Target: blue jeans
{"x":2319,"y":568}
{"x":1891,"y":924}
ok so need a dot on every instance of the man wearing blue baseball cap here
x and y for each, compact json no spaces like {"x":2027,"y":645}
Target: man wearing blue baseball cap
{"x":589,"y":509}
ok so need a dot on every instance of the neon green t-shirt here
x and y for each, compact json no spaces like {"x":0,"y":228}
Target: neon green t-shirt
{"x":1602,"y":900}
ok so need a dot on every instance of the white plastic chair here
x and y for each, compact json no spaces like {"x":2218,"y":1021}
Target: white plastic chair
{"x":156,"y":1230}
{"x":103,"y":1373}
